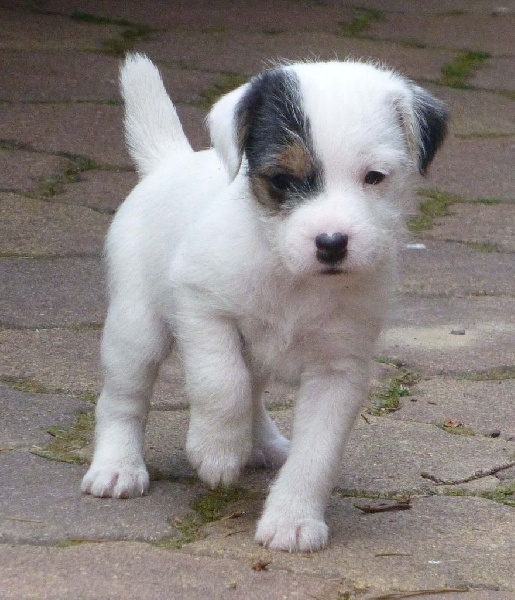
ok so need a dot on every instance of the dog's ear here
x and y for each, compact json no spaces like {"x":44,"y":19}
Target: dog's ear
{"x":424,"y":119}
{"x":225,"y":129}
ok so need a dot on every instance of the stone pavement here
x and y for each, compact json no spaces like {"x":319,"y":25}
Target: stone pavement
{"x":436,"y":443}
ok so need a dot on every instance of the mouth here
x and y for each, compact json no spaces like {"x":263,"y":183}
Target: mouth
{"x":334,"y":270}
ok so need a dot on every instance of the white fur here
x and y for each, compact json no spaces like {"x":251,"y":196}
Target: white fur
{"x":191,"y":253}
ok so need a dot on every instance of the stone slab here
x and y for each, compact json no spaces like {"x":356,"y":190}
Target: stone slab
{"x":500,"y":74}
{"x":23,"y":27}
{"x":41,"y":503}
{"x":30,"y":227}
{"x":50,"y":292}
{"x":480,"y":224}
{"x":485,"y":32}
{"x":483,"y":406}
{"x":476,"y":114}
{"x":58,"y":76}
{"x":26,"y":418}
{"x":57,"y":359}
{"x":92,"y":130}
{"x":101,"y":190}
{"x":107,"y":571}
{"x":455,"y":269}
{"x":225,"y":52}
{"x":461,"y":168}
{"x":442,"y":542}
{"x":420,"y":334}
{"x":22,"y":171}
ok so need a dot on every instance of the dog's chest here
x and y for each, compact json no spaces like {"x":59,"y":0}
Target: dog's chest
{"x":282,"y":342}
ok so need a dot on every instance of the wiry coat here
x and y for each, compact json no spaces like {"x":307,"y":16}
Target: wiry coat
{"x":271,"y":256}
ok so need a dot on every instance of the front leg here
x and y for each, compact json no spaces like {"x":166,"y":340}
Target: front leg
{"x":293,"y":518}
{"x":218,"y":384}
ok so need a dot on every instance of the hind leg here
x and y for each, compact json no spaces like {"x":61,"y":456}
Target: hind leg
{"x":269,"y":447}
{"x":134,"y":343}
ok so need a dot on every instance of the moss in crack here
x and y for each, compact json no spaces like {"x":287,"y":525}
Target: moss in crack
{"x":67,"y":442}
{"x":503,"y":494}
{"x":456,"y":73}
{"x":387,"y":399}
{"x":361,"y":22}
{"x":225,"y":84}
{"x":435,"y":204}
{"x":70,"y":173}
{"x":130,"y":35}
{"x":209,"y":507}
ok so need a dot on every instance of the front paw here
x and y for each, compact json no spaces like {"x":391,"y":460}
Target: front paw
{"x":218,"y":463}
{"x":291,"y":534}
{"x":116,"y":480}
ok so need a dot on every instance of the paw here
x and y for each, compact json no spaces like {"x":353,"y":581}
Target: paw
{"x":270,"y":453}
{"x":218,"y":464}
{"x":116,"y":481}
{"x":292,"y":535}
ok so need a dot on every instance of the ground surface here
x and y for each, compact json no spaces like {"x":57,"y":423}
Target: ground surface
{"x":440,"y":427}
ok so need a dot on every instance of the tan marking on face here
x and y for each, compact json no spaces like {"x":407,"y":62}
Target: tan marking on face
{"x":295,"y":159}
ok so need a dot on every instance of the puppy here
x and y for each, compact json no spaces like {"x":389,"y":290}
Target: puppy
{"x":269,"y":256}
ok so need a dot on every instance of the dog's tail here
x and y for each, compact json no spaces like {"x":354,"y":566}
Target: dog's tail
{"x":153,"y":130}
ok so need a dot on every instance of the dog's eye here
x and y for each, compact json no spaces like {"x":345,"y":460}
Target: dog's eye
{"x":374,"y":177}
{"x":283,"y":182}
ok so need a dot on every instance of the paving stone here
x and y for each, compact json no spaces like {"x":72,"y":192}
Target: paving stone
{"x":23,"y":172}
{"x":23,"y":27}
{"x":487,"y":226}
{"x":30,"y":227}
{"x":483,"y":406}
{"x":476,"y":114}
{"x":224,"y":52}
{"x":440,"y":543}
{"x":58,"y":76}
{"x":467,"y":31}
{"x":92,"y":130}
{"x":41,"y":502}
{"x":27,"y":417}
{"x":57,"y":359}
{"x":420,"y":334}
{"x":49,"y":292}
{"x":440,"y":7}
{"x":101,"y":190}
{"x":499,"y":74}
{"x":106,"y":571}
{"x":218,"y":17}
{"x":455,"y":269}
{"x":461,"y":168}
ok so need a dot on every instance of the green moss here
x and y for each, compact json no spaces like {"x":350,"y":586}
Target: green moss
{"x":225,"y":84}
{"x":503,"y":494}
{"x":485,"y":247}
{"x":209,"y":507}
{"x":495,"y":374}
{"x":70,"y":173}
{"x":387,"y":399}
{"x":66,"y":442}
{"x":128,"y":38}
{"x":28,"y":386}
{"x":361,"y":22}
{"x":435,"y":204}
{"x":456,"y":73}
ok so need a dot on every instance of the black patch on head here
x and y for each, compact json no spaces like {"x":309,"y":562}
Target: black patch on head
{"x":274,"y":134}
{"x":432,"y":115}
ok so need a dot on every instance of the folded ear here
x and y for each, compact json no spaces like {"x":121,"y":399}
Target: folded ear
{"x":424,"y":119}
{"x":225,"y":130}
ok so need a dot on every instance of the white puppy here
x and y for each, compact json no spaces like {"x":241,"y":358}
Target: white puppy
{"x":270,"y":256}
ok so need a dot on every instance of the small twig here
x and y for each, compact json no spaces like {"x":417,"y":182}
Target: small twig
{"x":261,"y":565}
{"x":479,"y":474}
{"x":229,"y":533}
{"x":381,"y":554}
{"x":399,"y":595}
{"x":22,"y":519}
{"x":384,"y":506}
{"x":365,"y":418}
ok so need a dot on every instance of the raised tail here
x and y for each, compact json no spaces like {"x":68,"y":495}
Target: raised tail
{"x":152,"y":128}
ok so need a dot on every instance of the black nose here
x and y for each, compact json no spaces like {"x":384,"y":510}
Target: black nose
{"x":331,"y":248}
